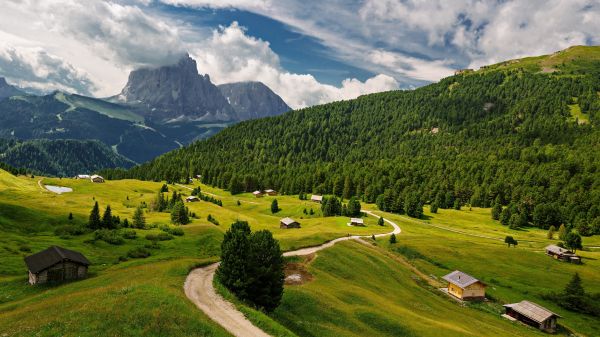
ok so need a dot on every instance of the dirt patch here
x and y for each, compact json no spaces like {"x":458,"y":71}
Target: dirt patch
{"x":296,"y":273}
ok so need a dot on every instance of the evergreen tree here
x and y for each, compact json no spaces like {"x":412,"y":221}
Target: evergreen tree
{"x":573,"y":241}
{"x":234,"y":270}
{"x":380,"y":221}
{"x":551,"y":232}
{"x":505,"y":216}
{"x":267,"y":265}
{"x":139,"y":220}
{"x":496,"y":210}
{"x":413,"y":206}
{"x":457,"y":205}
{"x":562,"y":232}
{"x":573,"y":296}
{"x":164,"y":188}
{"x":70,"y":216}
{"x":179,"y":214}
{"x":353,"y":207}
{"x":274,"y":206}
{"x":126,"y":223}
{"x":94,"y":221}
{"x":107,"y":219}
{"x":434,"y":207}
{"x":393,"y":238}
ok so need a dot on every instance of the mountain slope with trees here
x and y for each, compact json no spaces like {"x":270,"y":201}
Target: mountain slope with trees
{"x":60,"y":157}
{"x":501,"y":135}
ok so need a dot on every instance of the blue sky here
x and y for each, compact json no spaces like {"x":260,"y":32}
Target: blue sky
{"x":308,"y":52}
{"x":299,"y":53}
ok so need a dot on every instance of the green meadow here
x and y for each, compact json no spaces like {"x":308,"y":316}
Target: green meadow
{"x":357,"y":289}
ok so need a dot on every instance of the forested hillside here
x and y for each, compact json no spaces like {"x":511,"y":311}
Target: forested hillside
{"x":525,"y":136}
{"x":60,"y":157}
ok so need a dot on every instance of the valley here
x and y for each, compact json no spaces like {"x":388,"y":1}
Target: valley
{"x":350,"y":283}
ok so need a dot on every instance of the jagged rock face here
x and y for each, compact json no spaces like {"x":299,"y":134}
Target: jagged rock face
{"x":253,"y":100}
{"x":176,"y":93}
{"x":7,"y":90}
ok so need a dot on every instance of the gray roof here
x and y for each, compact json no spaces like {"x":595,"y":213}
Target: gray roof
{"x":356,"y":220}
{"x":316,"y":197}
{"x":558,"y":250}
{"x":288,"y":221}
{"x":51,"y":256}
{"x":461,"y":279}
{"x":531,"y":310}
{"x":269,"y":191}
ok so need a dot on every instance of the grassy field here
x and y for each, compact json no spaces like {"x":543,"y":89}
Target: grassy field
{"x":513,"y":274}
{"x":357,"y":289}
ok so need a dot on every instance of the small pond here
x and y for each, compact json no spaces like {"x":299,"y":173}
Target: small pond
{"x":58,"y":189}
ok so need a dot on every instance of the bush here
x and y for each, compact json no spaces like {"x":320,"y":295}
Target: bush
{"x":129,"y":234}
{"x":109,"y":236}
{"x":152,"y":245}
{"x":176,"y":231}
{"x":72,"y":230}
{"x":159,"y":237}
{"x":139,"y":253}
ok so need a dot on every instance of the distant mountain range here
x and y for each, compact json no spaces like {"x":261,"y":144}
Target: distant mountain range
{"x":160,"y":109}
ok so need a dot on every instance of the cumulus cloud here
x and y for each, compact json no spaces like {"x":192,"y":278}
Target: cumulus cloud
{"x":415,"y":40}
{"x":34,"y":68}
{"x":230,"y":55}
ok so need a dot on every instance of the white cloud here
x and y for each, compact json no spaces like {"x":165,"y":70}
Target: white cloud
{"x":230,"y":55}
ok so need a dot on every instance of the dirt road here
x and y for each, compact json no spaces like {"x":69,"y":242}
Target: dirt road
{"x":199,"y":289}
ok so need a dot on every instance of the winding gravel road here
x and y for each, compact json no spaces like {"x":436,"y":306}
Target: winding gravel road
{"x":199,"y":289}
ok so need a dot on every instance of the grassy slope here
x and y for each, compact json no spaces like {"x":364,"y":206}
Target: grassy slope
{"x":359,"y":291}
{"x":512,"y":274}
{"x":28,"y":214}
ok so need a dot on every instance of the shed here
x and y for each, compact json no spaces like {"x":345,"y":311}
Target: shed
{"x":316,"y":198}
{"x":192,"y":198}
{"x":83,"y":176}
{"x":356,"y":222}
{"x":562,"y":254}
{"x":286,"y":223}
{"x":532,"y":314}
{"x":56,"y":264}
{"x":96,"y":179}
{"x":257,"y":194}
{"x":464,"y":286}
{"x":271,"y":192}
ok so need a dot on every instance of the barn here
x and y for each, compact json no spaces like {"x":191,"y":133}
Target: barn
{"x":356,"y":222}
{"x":286,"y":223}
{"x":192,"y":198}
{"x":464,"y":286}
{"x":56,"y":264}
{"x":258,"y":194}
{"x":271,"y":192}
{"x":562,"y":254}
{"x":532,"y":314}
{"x":96,"y":179}
{"x":316,"y":198}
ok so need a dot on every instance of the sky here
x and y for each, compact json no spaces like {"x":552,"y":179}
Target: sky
{"x":308,"y":52}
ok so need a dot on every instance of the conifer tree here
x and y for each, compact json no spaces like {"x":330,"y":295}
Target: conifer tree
{"x":139,"y":220}
{"x":95,"y":222}
{"x":393,"y":238}
{"x":107,"y":218}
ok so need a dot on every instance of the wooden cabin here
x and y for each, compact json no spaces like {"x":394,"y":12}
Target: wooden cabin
{"x":96,"y":179}
{"x":83,"y":176}
{"x":464,"y":286}
{"x":562,"y":254}
{"x":192,"y":198}
{"x":257,"y":194}
{"x":357,"y":222}
{"x":316,"y":198}
{"x":287,"y":223}
{"x":532,"y":314}
{"x":270,"y":192}
{"x":56,"y":264}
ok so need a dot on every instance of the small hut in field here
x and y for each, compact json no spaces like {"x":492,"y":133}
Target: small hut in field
{"x":257,"y":194}
{"x":357,"y":222}
{"x":562,"y":254}
{"x":56,"y":264}
{"x":96,"y":179}
{"x":192,"y":198}
{"x":464,"y":286}
{"x":287,"y":223}
{"x":316,"y":198}
{"x":532,"y":314}
{"x":271,"y":192}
